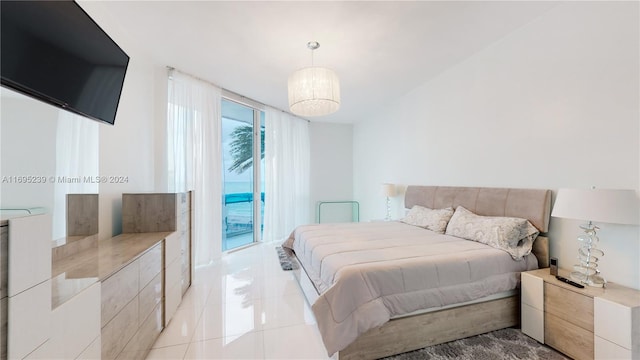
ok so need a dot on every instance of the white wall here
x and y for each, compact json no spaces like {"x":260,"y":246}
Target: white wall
{"x":128,"y":148}
{"x":57,"y":148}
{"x":331,"y":177}
{"x":554,"y":104}
{"x":27,"y":148}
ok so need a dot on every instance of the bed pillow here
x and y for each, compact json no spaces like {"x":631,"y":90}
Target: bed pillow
{"x":433,"y":219}
{"x":513,"y":235}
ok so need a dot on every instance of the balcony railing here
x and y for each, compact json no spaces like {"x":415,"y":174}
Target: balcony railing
{"x":239,"y":220}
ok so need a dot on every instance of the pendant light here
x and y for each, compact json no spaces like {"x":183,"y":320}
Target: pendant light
{"x":314,"y":91}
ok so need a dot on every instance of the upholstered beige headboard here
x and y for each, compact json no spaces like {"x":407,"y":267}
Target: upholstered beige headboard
{"x":531,"y":204}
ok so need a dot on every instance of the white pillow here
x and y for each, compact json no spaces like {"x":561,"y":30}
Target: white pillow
{"x":513,"y":235}
{"x":432,"y":219}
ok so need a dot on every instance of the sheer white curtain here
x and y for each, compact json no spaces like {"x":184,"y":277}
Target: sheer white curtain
{"x":77,"y":141}
{"x":286,"y":157}
{"x":193,"y":159}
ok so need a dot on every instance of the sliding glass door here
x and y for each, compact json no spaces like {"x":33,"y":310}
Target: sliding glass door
{"x":243,"y":178}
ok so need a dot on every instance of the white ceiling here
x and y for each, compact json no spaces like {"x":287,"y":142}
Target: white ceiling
{"x":380,"y":50}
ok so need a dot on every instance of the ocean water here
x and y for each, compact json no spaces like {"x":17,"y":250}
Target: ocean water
{"x":231,"y":187}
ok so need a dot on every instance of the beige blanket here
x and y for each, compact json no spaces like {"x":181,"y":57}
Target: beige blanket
{"x":368,"y":273}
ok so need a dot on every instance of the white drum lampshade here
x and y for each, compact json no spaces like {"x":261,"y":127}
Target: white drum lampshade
{"x":595,"y":205}
{"x":314,"y":91}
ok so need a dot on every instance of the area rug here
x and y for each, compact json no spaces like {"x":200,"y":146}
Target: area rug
{"x":285,"y":255}
{"x":509,"y":344}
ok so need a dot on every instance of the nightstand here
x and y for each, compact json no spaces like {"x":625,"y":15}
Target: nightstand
{"x":582,"y":323}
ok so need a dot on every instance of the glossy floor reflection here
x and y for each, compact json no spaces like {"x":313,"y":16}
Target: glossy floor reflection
{"x":242,"y":307}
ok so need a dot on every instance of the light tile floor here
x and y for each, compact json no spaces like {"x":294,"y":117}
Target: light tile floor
{"x":242,"y":307}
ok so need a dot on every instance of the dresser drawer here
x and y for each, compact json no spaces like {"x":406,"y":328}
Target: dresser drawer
{"x":4,"y":256}
{"x":172,"y":249}
{"x":141,"y":343}
{"x":568,"y":305}
{"x":606,"y":350}
{"x":116,"y":334}
{"x":118,"y":290}
{"x":150,"y":264}
{"x":532,"y":292}
{"x":613,"y":322}
{"x":184,"y":202}
{"x":184,"y":260}
{"x":532,"y":322}
{"x":185,"y":282}
{"x":567,"y":337}
{"x":149,"y":297}
{"x":183,"y":221}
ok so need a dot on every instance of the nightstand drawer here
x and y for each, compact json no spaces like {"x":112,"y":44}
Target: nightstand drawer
{"x":532,"y":291}
{"x":532,"y":322}
{"x":567,"y":337}
{"x":613,"y":322}
{"x":570,"y":306}
{"x":606,"y":350}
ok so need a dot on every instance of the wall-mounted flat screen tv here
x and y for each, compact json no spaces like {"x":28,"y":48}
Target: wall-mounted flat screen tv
{"x":53,"y":51}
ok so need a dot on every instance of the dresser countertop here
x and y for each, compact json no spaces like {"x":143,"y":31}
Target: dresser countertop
{"x":612,"y":291}
{"x":76,"y":272}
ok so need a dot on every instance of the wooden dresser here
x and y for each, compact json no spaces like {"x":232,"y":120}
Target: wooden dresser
{"x":588,"y":323}
{"x":568,"y":321}
{"x":151,"y":212}
{"x":132,"y":292}
{"x":80,"y":297}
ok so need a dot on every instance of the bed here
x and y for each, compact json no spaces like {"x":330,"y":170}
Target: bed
{"x":383,"y":288}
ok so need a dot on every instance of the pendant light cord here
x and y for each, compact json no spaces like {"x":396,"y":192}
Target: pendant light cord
{"x":312,"y":45}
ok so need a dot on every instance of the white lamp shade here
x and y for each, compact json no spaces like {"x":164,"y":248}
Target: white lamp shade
{"x":598,"y":205}
{"x":314,"y":91}
{"x":389,"y":190}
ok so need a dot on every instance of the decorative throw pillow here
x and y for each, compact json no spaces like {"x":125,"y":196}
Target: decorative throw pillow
{"x":513,"y":235}
{"x":433,"y":219}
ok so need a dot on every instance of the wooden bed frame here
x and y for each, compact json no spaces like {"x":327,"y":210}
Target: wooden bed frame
{"x":436,"y":327}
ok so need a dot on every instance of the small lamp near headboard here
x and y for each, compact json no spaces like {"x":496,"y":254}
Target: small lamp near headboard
{"x":389,"y":190}
{"x":594,"y":205}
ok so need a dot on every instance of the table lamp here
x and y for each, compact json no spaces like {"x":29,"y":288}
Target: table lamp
{"x":594,"y":205}
{"x":389,"y":191}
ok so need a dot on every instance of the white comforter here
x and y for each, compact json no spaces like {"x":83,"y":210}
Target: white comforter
{"x":368,"y":273}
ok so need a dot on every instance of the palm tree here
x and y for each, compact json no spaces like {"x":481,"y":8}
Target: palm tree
{"x":242,"y":148}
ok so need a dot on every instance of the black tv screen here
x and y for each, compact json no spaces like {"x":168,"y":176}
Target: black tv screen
{"x":53,"y":51}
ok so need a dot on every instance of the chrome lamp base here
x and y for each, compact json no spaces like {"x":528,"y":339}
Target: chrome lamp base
{"x":388,"y":217}
{"x":590,"y":280}
{"x":586,"y":272}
